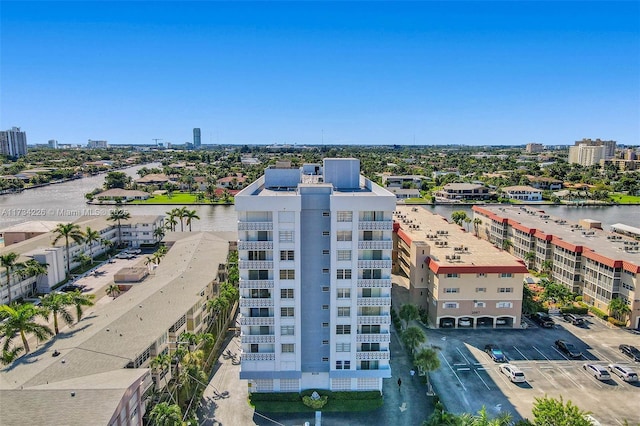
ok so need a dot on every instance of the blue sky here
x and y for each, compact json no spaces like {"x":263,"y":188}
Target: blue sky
{"x":472,"y":73}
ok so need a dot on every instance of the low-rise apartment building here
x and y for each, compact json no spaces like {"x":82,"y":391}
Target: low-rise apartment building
{"x":596,"y":264}
{"x":460,"y":279}
{"x":463,"y":191}
{"x":523,"y":193}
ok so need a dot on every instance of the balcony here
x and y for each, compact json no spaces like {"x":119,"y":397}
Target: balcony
{"x":369,"y":283}
{"x":258,"y":338}
{"x":258,"y":357}
{"x":255,"y":245}
{"x":375,"y":225}
{"x":256,"y":302}
{"x":374,"y":264}
{"x":255,"y":264}
{"x":374,"y":301}
{"x":257,"y":320}
{"x":255,"y":226}
{"x":372,"y":355}
{"x":373,"y":319}
{"x":375,"y":245}
{"x":373,"y":338}
{"x":257,"y":284}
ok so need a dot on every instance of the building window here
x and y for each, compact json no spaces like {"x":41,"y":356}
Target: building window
{"x":344,"y":255}
{"x":257,"y":255}
{"x":481,"y":275}
{"x":452,"y":275}
{"x":343,"y":235}
{"x":480,"y":305}
{"x":370,"y":347}
{"x":370,"y":329}
{"x":325,"y":252}
{"x":325,"y":307}
{"x":325,"y":342}
{"x":286,"y":293}
{"x":450,"y":305}
{"x":344,"y":293}
{"x":325,"y":359}
{"x":325,"y":233}
{"x":325,"y":270}
{"x":286,"y":255}
{"x":325,"y":324}
{"x":505,"y":289}
{"x":326,"y":214}
{"x":506,"y":275}
{"x":343,"y":329}
{"x":338,"y":365}
{"x":344,"y":311}
{"x":325,"y":289}
{"x":287,"y":330}
{"x":451,"y":290}
{"x":344,"y":216}
{"x":287,"y":348}
{"x":369,"y":365}
{"x":254,"y":348}
{"x":504,"y":305}
{"x":286,"y":312}
{"x":343,"y":274}
{"x":343,"y":347}
{"x":286,"y":236}
{"x":481,"y":289}
{"x":287,"y":274}
{"x":347,"y":365}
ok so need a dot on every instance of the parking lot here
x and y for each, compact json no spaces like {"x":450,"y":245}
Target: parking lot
{"x":468,"y":379}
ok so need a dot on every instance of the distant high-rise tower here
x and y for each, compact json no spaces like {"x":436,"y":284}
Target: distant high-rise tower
{"x":196,"y":138}
{"x":13,"y":142}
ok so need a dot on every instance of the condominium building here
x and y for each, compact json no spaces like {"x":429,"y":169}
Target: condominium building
{"x":97,"y":144}
{"x":13,"y":142}
{"x":461,"y":280}
{"x":596,"y":264}
{"x":197,"y":140}
{"x":609,"y":146}
{"x":463,"y":191}
{"x":532,"y":148}
{"x":315,"y":278}
{"x":586,"y":155}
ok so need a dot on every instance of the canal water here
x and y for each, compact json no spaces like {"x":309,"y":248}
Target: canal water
{"x":66,"y":202}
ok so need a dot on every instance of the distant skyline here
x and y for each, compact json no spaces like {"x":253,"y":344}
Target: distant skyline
{"x":429,"y":73}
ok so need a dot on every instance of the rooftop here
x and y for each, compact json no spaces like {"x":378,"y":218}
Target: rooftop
{"x":32,"y":226}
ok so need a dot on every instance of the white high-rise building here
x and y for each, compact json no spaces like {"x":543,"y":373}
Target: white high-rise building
{"x":586,"y":155}
{"x":315,"y":248}
{"x":13,"y":142}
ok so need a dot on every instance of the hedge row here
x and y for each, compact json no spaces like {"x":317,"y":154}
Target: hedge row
{"x":597,"y":312}
{"x":574,"y":310}
{"x":295,"y":397}
{"x":616,"y":322}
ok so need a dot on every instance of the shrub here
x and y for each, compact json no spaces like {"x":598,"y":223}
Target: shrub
{"x":316,"y":404}
{"x":578,"y":298}
{"x":275,"y":396}
{"x":578,"y":310}
{"x":597,"y":312}
{"x":616,"y":322}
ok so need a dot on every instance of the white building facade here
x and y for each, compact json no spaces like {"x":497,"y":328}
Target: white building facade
{"x":13,"y":142}
{"x":315,"y":248}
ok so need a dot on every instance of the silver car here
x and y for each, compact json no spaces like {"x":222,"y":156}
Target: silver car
{"x":514,"y":373}
{"x":625,"y":373}
{"x":597,"y":371}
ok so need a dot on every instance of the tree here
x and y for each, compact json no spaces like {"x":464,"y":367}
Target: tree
{"x":91,"y":236}
{"x":476,"y":225}
{"x":21,"y":319}
{"x":158,"y":233}
{"x":159,"y":364}
{"x":427,"y":360}
{"x":79,"y":300}
{"x":118,"y":215}
{"x":113,"y":291}
{"x":57,"y":303}
{"x":68,"y":231}
{"x":413,"y":337}
{"x":506,"y":245}
{"x":619,"y":309}
{"x":530,"y":257}
{"x":164,"y":414}
{"x":8,"y":262}
{"x":546,"y":267}
{"x":552,"y":412}
{"x":116,"y":180}
{"x":467,"y":221}
{"x":82,"y":259}
{"x":458,"y":217}
{"x":191,"y":215}
{"x":409,"y":312}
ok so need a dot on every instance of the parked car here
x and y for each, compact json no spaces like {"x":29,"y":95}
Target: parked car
{"x":72,"y":287}
{"x":598,"y":371}
{"x":573,"y":319}
{"x":630,"y":351}
{"x":495,"y":353}
{"x":542,"y":319}
{"x":625,"y":373}
{"x":568,"y":349}
{"x":447,"y":323}
{"x":464,"y":322}
{"x":514,"y":373}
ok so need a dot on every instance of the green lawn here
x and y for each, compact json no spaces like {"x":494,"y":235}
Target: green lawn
{"x":625,"y":199}
{"x":338,"y":402}
{"x":176,"y":198}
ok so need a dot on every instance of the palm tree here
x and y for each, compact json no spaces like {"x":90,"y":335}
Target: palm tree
{"x":506,"y":245}
{"x":619,"y":309}
{"x":68,"y":231}
{"x":408,"y":312}
{"x":160,"y":363}
{"x":476,"y":225}
{"x":164,"y":414}
{"x":413,"y":337}
{"x":57,"y":303}
{"x":530,"y":257}
{"x":82,"y":259}
{"x":158,"y":233}
{"x":171,"y":221}
{"x":427,"y":360}
{"x":32,"y":268}
{"x":118,"y":215}
{"x":79,"y":300}
{"x":20,"y":319}
{"x":191,"y":215}
{"x":113,"y":291}
{"x":218,"y":306}
{"x":467,"y":220}
{"x":180,"y":213}
{"x":91,"y":236}
{"x":8,"y":261}
{"x":107,"y":244}
{"x":546,"y":266}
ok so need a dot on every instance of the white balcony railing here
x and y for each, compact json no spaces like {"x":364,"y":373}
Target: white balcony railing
{"x":263,"y":338}
{"x":255,"y":226}
{"x":375,"y":225}
{"x":256,"y":302}
{"x":258,"y":357}
{"x":373,"y":338}
{"x":375,"y":245}
{"x":370,"y":283}
{"x":257,"y":320}
{"x":374,"y":264}
{"x":256,"y":284}
{"x":255,"y":245}
{"x":255,"y":264}
{"x":372,"y":355}
{"x":374,"y":301}
{"x":373,"y":319}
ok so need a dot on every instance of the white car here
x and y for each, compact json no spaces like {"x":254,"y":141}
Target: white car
{"x":597,"y":371}
{"x":514,"y":373}
{"x":625,"y":373}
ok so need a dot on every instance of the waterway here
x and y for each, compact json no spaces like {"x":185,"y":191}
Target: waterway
{"x":66,"y":202}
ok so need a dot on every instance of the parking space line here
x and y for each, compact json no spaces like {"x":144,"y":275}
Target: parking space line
{"x":465,"y":358}
{"x":453,"y":371}
{"x":549,"y":379}
{"x":485,"y":383}
{"x":570,"y":378}
{"x":521,"y":354}
{"x":597,"y":382}
{"x":600,"y":356}
{"x":543,"y":355}
{"x":561,"y":354}
{"x":460,"y":363}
